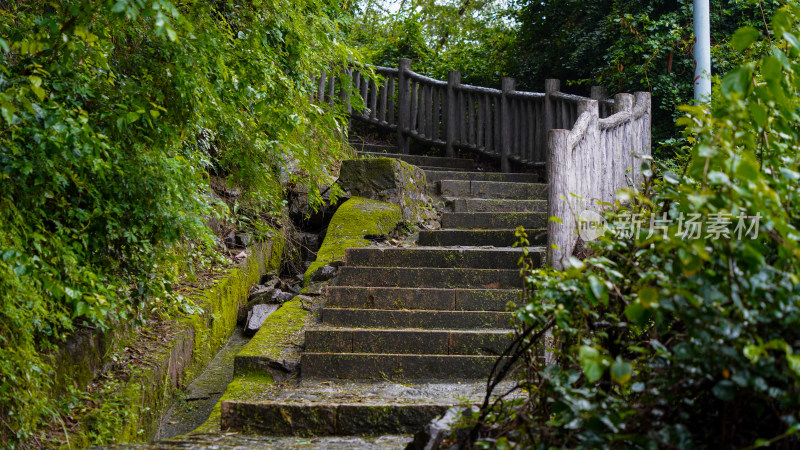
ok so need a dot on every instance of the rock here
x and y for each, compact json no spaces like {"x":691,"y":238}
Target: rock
{"x":240,"y":255}
{"x":270,"y":280}
{"x":261,"y":293}
{"x":230,"y":239}
{"x":280,"y":297}
{"x":244,"y":239}
{"x":309,"y":246}
{"x":315,"y":288}
{"x":431,"y":437}
{"x":296,"y":288}
{"x":325,"y":273}
{"x":388,"y":180}
{"x":256,"y":317}
{"x":234,"y":240}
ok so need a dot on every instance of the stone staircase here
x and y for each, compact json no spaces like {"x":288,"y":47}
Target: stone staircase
{"x":408,"y":332}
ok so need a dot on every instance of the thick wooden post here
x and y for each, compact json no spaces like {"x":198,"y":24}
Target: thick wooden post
{"x":404,"y":106}
{"x":599,"y":93}
{"x":558,"y":172}
{"x":451,"y":112}
{"x":344,"y":93}
{"x":506,"y":132}
{"x":550,"y":86}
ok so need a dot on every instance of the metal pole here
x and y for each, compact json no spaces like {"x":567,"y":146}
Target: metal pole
{"x":702,"y":52}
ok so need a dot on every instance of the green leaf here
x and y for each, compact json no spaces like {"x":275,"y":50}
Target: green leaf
{"x":794,"y":363}
{"x":598,"y":289}
{"x":744,"y":37}
{"x":131,"y":117}
{"x":591,"y":362}
{"x":771,"y":68}
{"x":80,"y":309}
{"x":792,"y":39}
{"x":753,"y":352}
{"x":621,"y":371}
{"x":725,"y":390}
{"x":737,"y":81}
{"x":648,"y":297}
{"x":636,"y":313}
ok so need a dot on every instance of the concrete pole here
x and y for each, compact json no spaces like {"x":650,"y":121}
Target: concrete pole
{"x":702,"y":52}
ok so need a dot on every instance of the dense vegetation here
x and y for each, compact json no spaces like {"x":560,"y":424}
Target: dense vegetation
{"x":672,"y":340}
{"x":114,"y":116}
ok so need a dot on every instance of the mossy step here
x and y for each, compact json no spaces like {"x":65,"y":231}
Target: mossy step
{"x":346,"y":407}
{"x":437,"y":175}
{"x":429,"y":278}
{"x":420,"y":318}
{"x":423,"y":161}
{"x":356,"y":366}
{"x":481,"y":205}
{"x":493,"y":189}
{"x":493,"y":220}
{"x":495,"y":238}
{"x":439,"y":342}
{"x":421,"y":298}
{"x":473,"y":258}
{"x":446,"y":168}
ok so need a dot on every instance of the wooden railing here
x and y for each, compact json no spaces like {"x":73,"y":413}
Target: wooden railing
{"x":591,"y":147}
{"x":502,"y":123}
{"x":590,"y":163}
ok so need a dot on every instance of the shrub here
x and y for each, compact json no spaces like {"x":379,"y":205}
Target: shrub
{"x":683,"y":341}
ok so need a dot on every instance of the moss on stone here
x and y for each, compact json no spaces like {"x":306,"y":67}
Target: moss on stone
{"x":282,"y":332}
{"x":138,"y":406}
{"x":356,"y":218}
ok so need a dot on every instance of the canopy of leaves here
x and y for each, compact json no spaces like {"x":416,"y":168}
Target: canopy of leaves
{"x":112,"y":114}
{"x":669,"y":339}
{"x":470,"y":36}
{"x":628,"y":46}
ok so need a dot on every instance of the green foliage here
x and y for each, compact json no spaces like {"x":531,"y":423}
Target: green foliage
{"x":113,"y":113}
{"x":630,"y":45}
{"x":686,"y":342}
{"x":439,"y":36}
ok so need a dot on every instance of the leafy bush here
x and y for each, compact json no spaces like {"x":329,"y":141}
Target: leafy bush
{"x":683,"y":341}
{"x":113,"y":113}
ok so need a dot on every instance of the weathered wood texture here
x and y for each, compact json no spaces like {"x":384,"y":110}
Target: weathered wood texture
{"x":590,"y":147}
{"x":505,"y":124}
{"x":590,"y":163}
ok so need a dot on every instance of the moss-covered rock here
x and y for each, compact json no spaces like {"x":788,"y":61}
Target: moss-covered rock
{"x":388,"y":180}
{"x":355,"y":219}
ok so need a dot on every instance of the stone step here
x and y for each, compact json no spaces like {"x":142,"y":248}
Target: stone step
{"x":429,"y":278}
{"x":464,"y":205}
{"x":426,"y":161}
{"x":420,"y":318}
{"x":492,"y":189}
{"x":472,"y":258}
{"x":399,"y":341}
{"x":494,"y":220}
{"x":346,"y":407}
{"x":421,"y":298}
{"x":495,"y":238}
{"x":437,"y":175}
{"x":364,"y":366}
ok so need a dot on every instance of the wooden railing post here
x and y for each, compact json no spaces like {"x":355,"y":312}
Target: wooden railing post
{"x":558,"y":171}
{"x":599,"y":93}
{"x":404,"y":106}
{"x":344,"y":94}
{"x":506,"y":132}
{"x":451,"y":112}
{"x":550,"y":86}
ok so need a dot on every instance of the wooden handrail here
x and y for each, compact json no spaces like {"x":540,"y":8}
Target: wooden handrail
{"x":591,"y":147}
